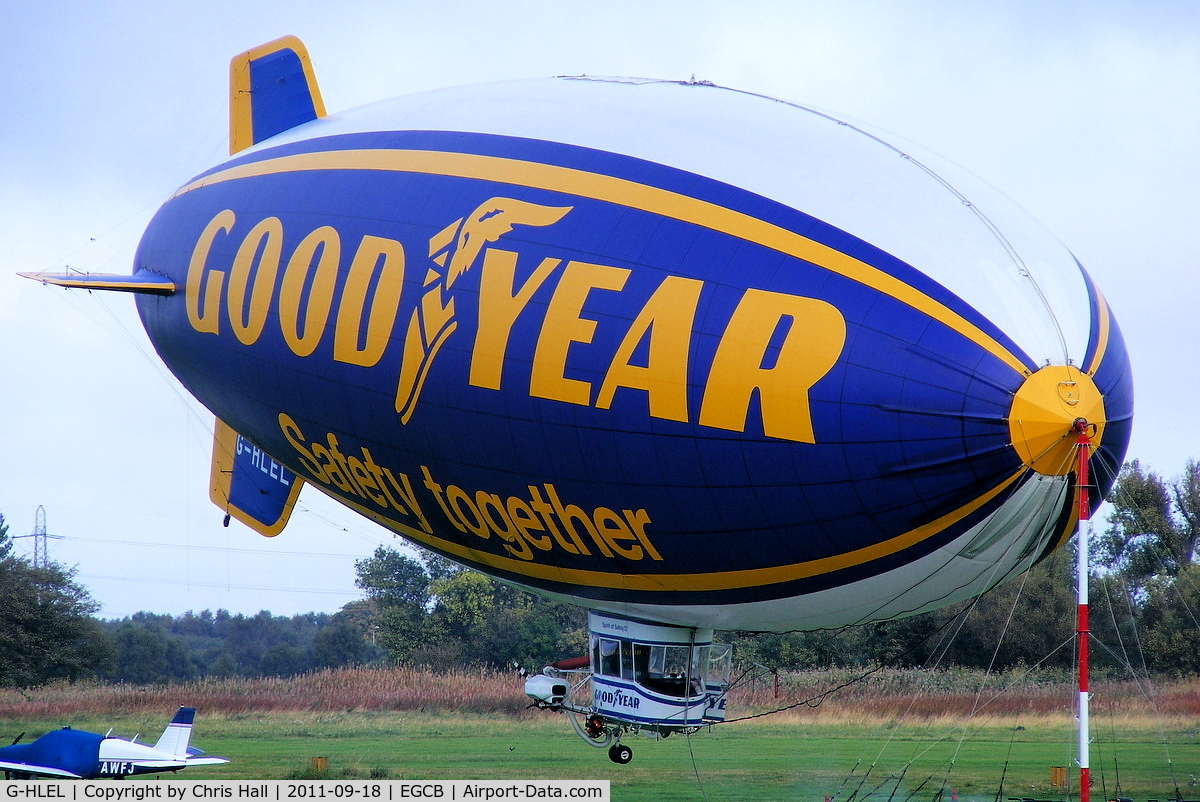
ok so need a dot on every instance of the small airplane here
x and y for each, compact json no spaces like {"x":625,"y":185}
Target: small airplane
{"x":77,"y":755}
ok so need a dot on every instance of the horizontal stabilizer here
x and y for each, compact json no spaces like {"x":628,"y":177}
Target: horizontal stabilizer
{"x":143,"y":281}
{"x":272,"y":88}
{"x":207,"y":761}
{"x":249,"y":485}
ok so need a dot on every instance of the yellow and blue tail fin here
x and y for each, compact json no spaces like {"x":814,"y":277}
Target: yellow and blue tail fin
{"x":249,"y":485}
{"x":272,"y":88}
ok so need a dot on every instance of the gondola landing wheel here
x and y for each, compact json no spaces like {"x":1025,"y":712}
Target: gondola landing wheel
{"x":620,"y":753}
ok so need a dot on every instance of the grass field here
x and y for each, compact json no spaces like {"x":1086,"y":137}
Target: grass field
{"x":901,"y":736}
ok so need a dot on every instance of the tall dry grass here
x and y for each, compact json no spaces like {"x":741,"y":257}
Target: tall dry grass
{"x":350,"y":689}
{"x":919,"y":694}
{"x":894,"y":694}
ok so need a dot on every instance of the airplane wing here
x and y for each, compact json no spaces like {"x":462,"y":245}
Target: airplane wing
{"x":41,"y":771}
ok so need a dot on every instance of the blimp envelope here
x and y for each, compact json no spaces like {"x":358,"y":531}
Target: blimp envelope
{"x":664,"y":349}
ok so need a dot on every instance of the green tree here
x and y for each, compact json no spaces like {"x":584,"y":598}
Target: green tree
{"x":1185,"y":493}
{"x":145,"y":654}
{"x":1026,"y":620}
{"x":398,"y":588}
{"x":284,"y":660}
{"x":1150,"y":547}
{"x":801,"y":650}
{"x":5,"y":542}
{"x":1169,"y":622}
{"x":437,"y":566}
{"x":46,"y":628}
{"x":477,"y":620}
{"x":1153,"y":525}
{"x":339,"y":644}
{"x":392,"y":579}
{"x":464,"y":601}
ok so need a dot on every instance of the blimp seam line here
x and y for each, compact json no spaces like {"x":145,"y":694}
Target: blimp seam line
{"x":623,"y":192}
{"x":712,"y":581}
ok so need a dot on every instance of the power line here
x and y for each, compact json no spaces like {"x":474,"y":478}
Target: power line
{"x":225,"y":585}
{"x":41,"y":554}
{"x":189,"y":547}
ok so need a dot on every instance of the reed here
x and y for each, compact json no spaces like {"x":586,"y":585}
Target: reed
{"x":347,"y":689}
{"x":835,"y":694}
{"x":921,"y":694}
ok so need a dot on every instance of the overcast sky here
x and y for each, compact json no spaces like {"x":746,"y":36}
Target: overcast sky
{"x":1087,"y":114}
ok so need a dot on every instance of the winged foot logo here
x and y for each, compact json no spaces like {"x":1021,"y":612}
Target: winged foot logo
{"x":433,"y":320}
{"x":774,"y":346}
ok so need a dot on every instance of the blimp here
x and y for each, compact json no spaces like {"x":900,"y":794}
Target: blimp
{"x":693,"y":358}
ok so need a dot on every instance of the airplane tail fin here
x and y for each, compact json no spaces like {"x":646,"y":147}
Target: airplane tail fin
{"x":175,"y":737}
{"x":249,"y":485}
{"x":272,"y":88}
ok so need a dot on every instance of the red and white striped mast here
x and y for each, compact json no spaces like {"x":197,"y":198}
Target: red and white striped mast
{"x":1083,"y":445}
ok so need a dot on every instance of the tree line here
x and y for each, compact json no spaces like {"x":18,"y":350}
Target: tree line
{"x":428,"y":611}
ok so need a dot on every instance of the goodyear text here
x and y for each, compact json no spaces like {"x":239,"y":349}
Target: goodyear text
{"x":774,"y":346}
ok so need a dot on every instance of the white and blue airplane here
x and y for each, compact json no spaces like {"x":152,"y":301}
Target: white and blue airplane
{"x":77,"y":755}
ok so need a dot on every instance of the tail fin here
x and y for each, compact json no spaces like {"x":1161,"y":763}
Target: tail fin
{"x":174,"y":740}
{"x":272,"y":88}
{"x":142,"y":281}
{"x":249,"y":485}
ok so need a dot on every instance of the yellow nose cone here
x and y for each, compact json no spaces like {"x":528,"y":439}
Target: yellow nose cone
{"x":1044,"y":410}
